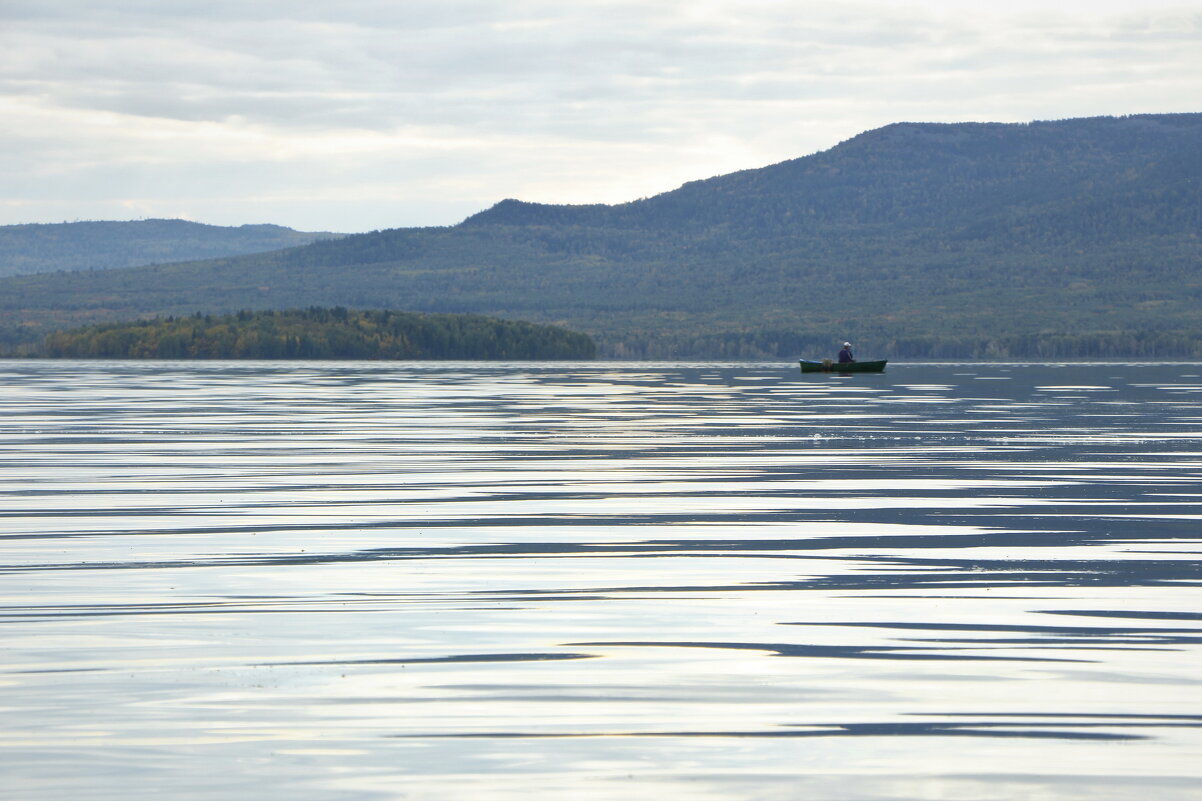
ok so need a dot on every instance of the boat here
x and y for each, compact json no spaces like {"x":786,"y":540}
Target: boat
{"x":831,"y":366}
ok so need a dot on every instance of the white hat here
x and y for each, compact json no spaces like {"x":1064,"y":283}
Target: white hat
{"x":847,"y":344}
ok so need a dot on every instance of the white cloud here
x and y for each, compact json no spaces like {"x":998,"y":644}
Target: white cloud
{"x":371,"y":113}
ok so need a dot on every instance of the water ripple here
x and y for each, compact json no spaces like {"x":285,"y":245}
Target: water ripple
{"x":646,"y":581}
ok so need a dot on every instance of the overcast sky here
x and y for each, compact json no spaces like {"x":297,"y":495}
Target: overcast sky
{"x":365,"y":114}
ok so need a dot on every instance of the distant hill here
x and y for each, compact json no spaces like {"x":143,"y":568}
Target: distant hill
{"x":1075,"y":238}
{"x":318,"y":333}
{"x":102,"y":245}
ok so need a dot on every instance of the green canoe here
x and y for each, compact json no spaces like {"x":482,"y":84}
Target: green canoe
{"x":830,"y":366}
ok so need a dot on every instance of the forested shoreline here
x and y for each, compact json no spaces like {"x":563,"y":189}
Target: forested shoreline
{"x":319,"y":333}
{"x":787,"y":345}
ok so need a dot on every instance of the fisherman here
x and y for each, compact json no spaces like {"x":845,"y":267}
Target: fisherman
{"x":845,"y":355}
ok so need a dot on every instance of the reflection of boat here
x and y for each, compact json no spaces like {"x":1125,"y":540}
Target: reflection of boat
{"x":831,"y":366}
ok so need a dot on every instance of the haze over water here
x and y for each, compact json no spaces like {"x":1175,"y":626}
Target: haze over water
{"x":599,"y":581}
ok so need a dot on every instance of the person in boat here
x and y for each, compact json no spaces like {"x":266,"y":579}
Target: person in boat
{"x":845,"y":355}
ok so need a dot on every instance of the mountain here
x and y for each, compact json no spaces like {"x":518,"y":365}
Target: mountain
{"x":1066,"y":238}
{"x":102,"y":245}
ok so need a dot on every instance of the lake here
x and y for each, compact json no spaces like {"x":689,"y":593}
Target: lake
{"x":595,"y":581}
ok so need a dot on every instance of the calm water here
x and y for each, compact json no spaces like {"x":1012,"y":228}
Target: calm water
{"x":604,"y":581}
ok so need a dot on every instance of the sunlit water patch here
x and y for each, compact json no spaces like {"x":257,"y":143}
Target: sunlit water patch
{"x":594,"y":581}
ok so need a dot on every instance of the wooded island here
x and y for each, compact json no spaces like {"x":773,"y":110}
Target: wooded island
{"x":319,"y":333}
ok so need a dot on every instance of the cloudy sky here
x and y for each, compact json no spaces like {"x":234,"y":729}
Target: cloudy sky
{"x":363,"y":114}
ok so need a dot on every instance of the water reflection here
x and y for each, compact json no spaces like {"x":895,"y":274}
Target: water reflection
{"x":378,"y":580}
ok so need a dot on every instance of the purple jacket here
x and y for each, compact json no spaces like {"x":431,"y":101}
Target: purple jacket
{"x":845,"y":356}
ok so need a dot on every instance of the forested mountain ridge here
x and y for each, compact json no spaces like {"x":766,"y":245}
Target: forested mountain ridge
{"x":105,"y":245}
{"x":971,"y":178}
{"x":1069,"y":238}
